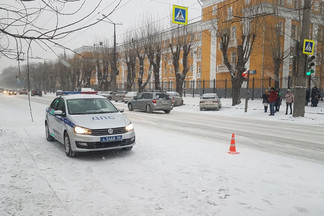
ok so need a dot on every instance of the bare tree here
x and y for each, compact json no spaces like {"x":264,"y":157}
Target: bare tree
{"x":24,"y":20}
{"x":227,"y":25}
{"x":153,"y":49}
{"x":182,"y":42}
{"x":130,"y":59}
{"x":140,"y":52}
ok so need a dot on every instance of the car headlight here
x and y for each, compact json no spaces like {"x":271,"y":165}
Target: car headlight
{"x":129,"y":127}
{"x":81,"y":130}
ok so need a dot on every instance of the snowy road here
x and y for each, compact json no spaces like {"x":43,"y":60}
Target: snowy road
{"x":179,"y":166}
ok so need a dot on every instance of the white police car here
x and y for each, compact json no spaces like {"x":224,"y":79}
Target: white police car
{"x":87,"y":122}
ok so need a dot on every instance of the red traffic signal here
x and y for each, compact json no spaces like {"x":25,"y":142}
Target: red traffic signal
{"x":245,"y":74}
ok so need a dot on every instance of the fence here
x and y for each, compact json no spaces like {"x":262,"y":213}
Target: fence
{"x":223,"y":88}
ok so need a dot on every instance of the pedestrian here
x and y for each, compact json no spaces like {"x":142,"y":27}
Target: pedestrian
{"x":272,"y":100}
{"x":307,"y":96}
{"x":265,"y":100}
{"x":289,"y":96}
{"x":315,"y":96}
{"x":278,"y":100}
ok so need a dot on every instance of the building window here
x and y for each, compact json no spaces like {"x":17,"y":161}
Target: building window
{"x":165,"y":71}
{"x":289,"y":2}
{"x":229,"y":13}
{"x":320,"y":35}
{"x":214,"y":10}
{"x":280,"y":27}
{"x":199,"y":53}
{"x":171,"y":70}
{"x":247,"y":1}
{"x":233,"y":33}
{"x":281,"y":2}
{"x":316,"y":6}
{"x":322,"y":8}
{"x":233,"y":58}
{"x":191,"y":68}
{"x":294,"y":32}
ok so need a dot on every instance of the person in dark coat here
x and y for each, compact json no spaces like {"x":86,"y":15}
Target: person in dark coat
{"x":265,"y":100}
{"x":278,"y":100}
{"x":315,"y":96}
{"x":307,"y":96}
{"x":272,"y":100}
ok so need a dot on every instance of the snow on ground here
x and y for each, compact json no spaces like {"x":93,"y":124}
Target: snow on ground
{"x":165,"y":174}
{"x":313,"y":115}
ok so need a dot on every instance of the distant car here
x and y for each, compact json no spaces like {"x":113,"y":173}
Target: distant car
{"x":59,"y":92}
{"x":12,"y":92}
{"x":87,"y":122}
{"x":209,"y":101}
{"x":119,"y":96}
{"x":23,"y":91}
{"x":107,"y":94}
{"x":129,"y":96}
{"x":36,"y":92}
{"x":151,"y":101}
{"x":175,"y":98}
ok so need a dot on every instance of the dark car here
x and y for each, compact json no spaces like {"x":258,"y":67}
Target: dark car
{"x":36,"y":92}
{"x":12,"y":92}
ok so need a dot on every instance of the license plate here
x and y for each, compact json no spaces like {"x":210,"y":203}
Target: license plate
{"x":110,"y":138}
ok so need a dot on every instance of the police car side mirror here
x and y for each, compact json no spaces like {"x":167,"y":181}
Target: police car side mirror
{"x":58,"y":112}
{"x":121,"y":110}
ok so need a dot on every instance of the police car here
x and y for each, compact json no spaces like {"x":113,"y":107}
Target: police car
{"x":87,"y":122}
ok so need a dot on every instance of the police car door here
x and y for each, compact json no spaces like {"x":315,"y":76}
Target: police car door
{"x":51,"y":117}
{"x":59,"y":120}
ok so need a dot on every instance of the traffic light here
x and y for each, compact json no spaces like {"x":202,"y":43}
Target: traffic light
{"x":310,"y":65}
{"x":245,"y":74}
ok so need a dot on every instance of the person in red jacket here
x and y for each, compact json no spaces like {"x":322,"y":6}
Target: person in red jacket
{"x":272,"y":100}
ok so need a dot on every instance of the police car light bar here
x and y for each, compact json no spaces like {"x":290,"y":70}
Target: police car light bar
{"x":78,"y":92}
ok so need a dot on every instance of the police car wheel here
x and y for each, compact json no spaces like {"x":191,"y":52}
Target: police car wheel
{"x":67,"y":146}
{"x":167,"y":111}
{"x":130,"y":107}
{"x":47,"y":133}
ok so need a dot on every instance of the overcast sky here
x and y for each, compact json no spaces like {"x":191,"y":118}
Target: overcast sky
{"x":130,"y":14}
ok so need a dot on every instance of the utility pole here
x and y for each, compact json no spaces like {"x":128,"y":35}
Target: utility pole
{"x":114,"y":70}
{"x":300,"y":79}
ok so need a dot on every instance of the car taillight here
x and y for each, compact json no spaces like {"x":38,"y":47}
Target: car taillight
{"x":202,"y":101}
{"x":154,"y":101}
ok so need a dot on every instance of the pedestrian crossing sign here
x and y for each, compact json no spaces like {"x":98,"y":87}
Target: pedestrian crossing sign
{"x":308,"y":47}
{"x":180,"y":15}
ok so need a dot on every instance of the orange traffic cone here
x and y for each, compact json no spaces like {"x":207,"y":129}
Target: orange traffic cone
{"x":232,"y":149}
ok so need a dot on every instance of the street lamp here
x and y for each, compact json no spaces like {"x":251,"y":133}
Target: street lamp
{"x":114,"y":66}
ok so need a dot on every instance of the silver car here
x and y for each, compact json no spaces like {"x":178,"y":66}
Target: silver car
{"x":209,"y":101}
{"x":151,"y":101}
{"x":85,"y":122}
{"x":175,"y":98}
{"x":129,"y":96}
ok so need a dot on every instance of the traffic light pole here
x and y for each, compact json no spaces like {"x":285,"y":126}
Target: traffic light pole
{"x":300,"y":80}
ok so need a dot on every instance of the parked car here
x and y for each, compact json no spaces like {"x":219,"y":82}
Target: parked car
{"x":175,"y":98}
{"x":36,"y":92}
{"x":23,"y":91}
{"x":107,"y":94}
{"x":119,"y":95}
{"x":209,"y":101}
{"x":59,"y":92}
{"x":88,"y":122}
{"x":12,"y":92}
{"x":151,"y":101}
{"x":129,"y":96}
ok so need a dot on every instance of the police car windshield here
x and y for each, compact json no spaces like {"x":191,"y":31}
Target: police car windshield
{"x":90,"y":106}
